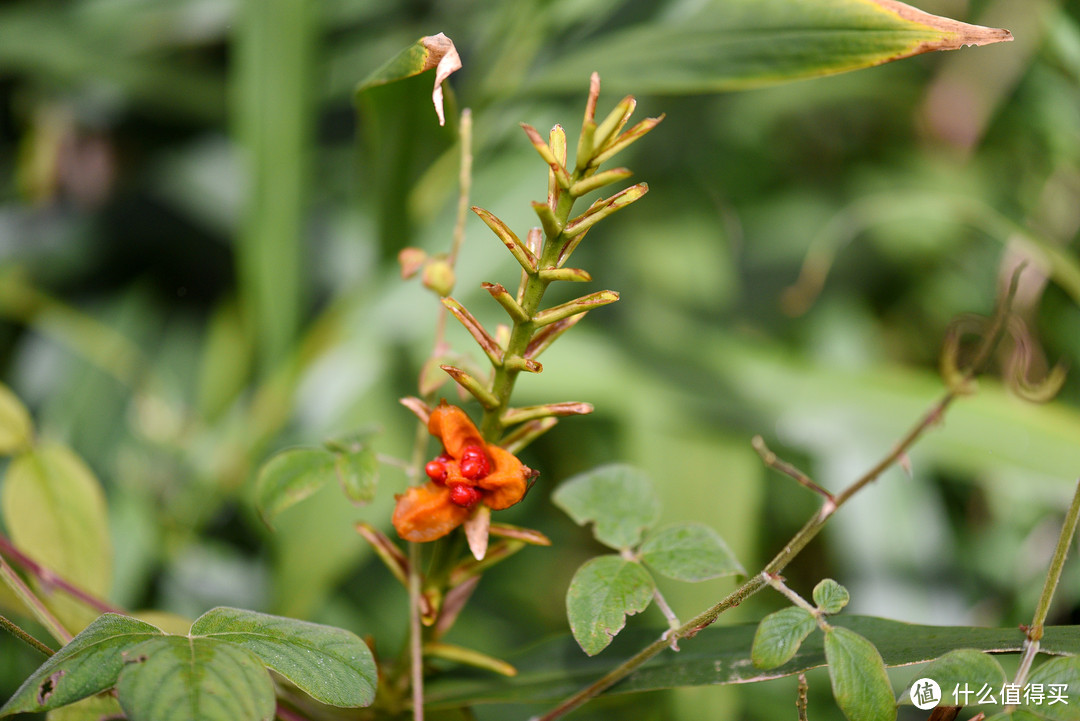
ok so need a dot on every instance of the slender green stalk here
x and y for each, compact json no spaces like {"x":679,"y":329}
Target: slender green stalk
{"x":23,"y":636}
{"x":805,"y":534}
{"x":416,"y":638}
{"x":32,"y":602}
{"x":1053,"y":576}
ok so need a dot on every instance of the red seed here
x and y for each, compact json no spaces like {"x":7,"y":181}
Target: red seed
{"x":474,"y":463}
{"x":463,"y":494}
{"x":436,"y":471}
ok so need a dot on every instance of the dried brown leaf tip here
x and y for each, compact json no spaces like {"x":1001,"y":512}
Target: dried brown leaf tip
{"x":443,"y":56}
{"x":953,"y":34}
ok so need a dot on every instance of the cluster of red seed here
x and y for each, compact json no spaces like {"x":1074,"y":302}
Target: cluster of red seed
{"x":474,"y":465}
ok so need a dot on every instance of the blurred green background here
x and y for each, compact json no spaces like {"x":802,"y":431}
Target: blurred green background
{"x":198,"y":233}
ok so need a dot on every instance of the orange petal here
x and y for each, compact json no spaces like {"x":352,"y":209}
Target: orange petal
{"x":507,"y":482}
{"x":451,"y":426}
{"x":424,"y":513}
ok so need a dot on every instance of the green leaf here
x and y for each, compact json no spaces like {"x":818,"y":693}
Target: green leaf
{"x":619,"y":499}
{"x":603,"y":592}
{"x":55,"y":510}
{"x":689,"y":552}
{"x":1059,"y":671}
{"x":739,"y":44}
{"x":331,"y":665}
{"x":88,"y":664}
{"x":358,"y":473}
{"x":718,"y":655}
{"x":859,"y":682}
{"x":291,"y":476}
{"x":178,"y":678}
{"x":430,"y":51}
{"x":16,"y":428}
{"x":779,"y":636}
{"x":830,"y":596}
{"x":956,"y":668}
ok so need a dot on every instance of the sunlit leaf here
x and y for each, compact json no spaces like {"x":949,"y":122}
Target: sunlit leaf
{"x":618,"y":499}
{"x":779,"y":636}
{"x":603,"y":592}
{"x":739,"y":44}
{"x":177,"y":678}
{"x":689,"y":552}
{"x":16,"y":428}
{"x":859,"y":682}
{"x":55,"y":510}
{"x":88,"y":664}
{"x":331,"y":665}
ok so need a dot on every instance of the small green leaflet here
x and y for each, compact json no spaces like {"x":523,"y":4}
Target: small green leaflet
{"x":1058,"y":671}
{"x":959,"y":667}
{"x":859,"y":682}
{"x":603,"y":592}
{"x":296,"y":473}
{"x":830,"y":596}
{"x":689,"y":552}
{"x":618,"y":499}
{"x":779,"y":636}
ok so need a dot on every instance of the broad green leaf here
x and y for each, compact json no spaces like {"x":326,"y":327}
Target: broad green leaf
{"x":358,"y":473}
{"x":779,"y":636}
{"x":956,"y":668}
{"x":88,"y":664}
{"x":830,"y":596}
{"x":430,"y":51}
{"x":689,"y":552}
{"x":603,"y":592}
{"x":102,"y":707}
{"x":618,"y":499}
{"x":16,"y":428}
{"x":331,"y":665}
{"x":291,"y":476}
{"x":177,"y":678}
{"x":859,"y":682}
{"x":54,"y":509}
{"x":719,"y":655}
{"x":1058,"y":672}
{"x":739,"y":44}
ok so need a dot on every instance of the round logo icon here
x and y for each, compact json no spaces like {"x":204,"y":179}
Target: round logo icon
{"x":925,"y":693}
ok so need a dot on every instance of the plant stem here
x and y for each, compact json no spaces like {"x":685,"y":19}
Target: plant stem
{"x":32,"y":602}
{"x":1053,"y":576}
{"x":9,"y":549}
{"x":416,"y":638}
{"x":23,"y":636}
{"x":502,"y":385}
{"x":805,"y":534}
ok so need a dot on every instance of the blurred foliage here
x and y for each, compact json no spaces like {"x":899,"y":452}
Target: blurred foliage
{"x":197,"y":243}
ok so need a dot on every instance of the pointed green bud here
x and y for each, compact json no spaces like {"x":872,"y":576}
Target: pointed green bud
{"x":604,"y":208}
{"x":613,"y":124}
